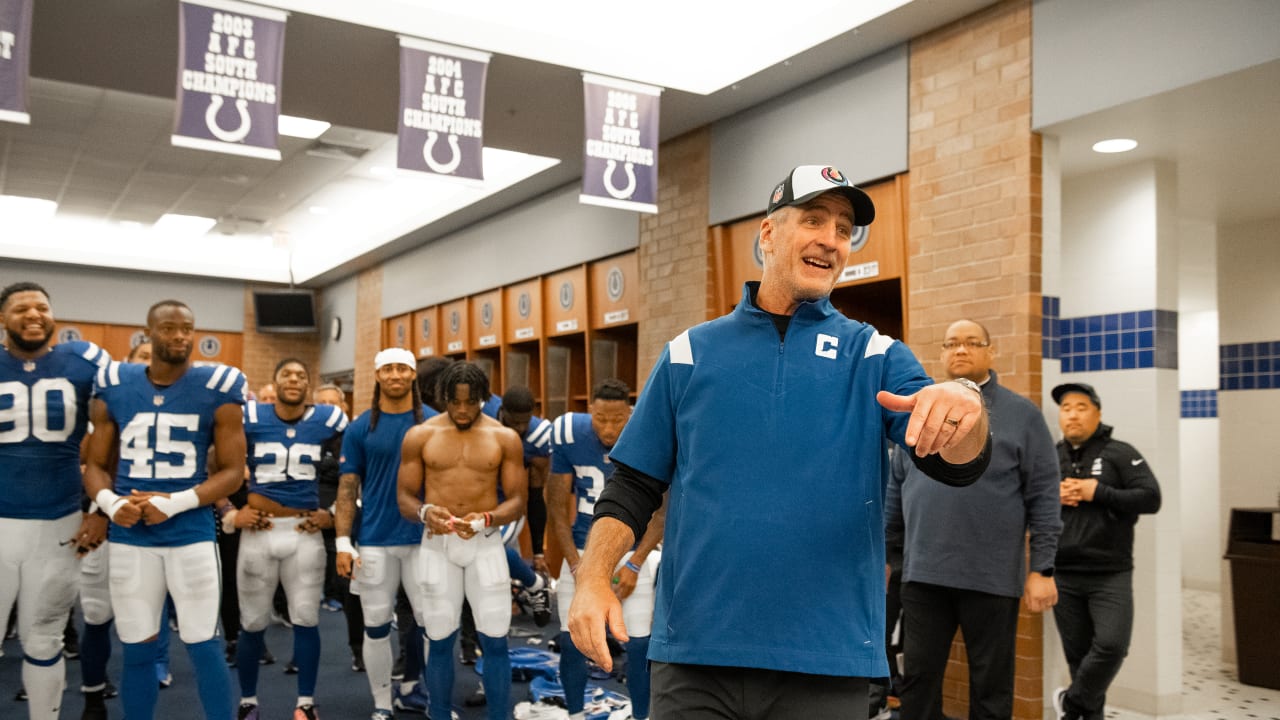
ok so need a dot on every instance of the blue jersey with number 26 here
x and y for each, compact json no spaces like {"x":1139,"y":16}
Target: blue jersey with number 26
{"x":576,"y":450}
{"x":44,"y":410}
{"x":282,"y":455}
{"x":165,"y":434}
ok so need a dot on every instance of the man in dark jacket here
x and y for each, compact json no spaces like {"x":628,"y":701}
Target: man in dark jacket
{"x":1106,"y":485}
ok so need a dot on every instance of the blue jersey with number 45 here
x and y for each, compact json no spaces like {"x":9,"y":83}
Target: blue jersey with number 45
{"x":576,"y":450}
{"x":165,"y":434}
{"x":44,"y":410}
{"x":282,"y":455}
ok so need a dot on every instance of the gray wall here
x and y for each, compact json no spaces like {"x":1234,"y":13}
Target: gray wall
{"x":121,"y":297}
{"x":1088,"y":55}
{"x":338,"y":301}
{"x":854,"y":119}
{"x":545,"y":235}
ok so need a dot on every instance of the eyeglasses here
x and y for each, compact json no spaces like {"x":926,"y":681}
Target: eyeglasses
{"x":971,"y":344}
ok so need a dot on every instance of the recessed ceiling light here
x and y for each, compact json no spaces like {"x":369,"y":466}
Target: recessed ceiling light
{"x":304,"y":128}
{"x":382,"y":171}
{"x":184,"y":225}
{"x":26,"y":209}
{"x":1115,"y":145}
{"x":318,"y":210}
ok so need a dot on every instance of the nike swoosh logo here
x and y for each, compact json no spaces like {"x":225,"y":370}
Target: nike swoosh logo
{"x":1136,"y":463}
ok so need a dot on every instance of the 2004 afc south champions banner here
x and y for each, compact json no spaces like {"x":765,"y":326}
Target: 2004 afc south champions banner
{"x":620,"y":159}
{"x":441,"y":109}
{"x":15,"y":59}
{"x":230,"y":57}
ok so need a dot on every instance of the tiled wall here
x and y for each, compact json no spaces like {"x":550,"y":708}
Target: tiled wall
{"x":1199,"y":403}
{"x":1249,"y":366}
{"x":1113,"y":341}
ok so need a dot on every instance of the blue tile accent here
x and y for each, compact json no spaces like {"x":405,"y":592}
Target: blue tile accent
{"x":1199,"y":403}
{"x":1117,"y":341}
{"x":1249,"y":366}
{"x":1050,"y":334}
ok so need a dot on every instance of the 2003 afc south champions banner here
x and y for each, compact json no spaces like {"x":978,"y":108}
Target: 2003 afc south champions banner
{"x":441,"y":109}
{"x":620,"y":159}
{"x":230,"y":56}
{"x":15,"y":59}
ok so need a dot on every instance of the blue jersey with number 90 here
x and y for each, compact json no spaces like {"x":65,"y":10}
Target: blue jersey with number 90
{"x":165,"y":434}
{"x":44,"y":410}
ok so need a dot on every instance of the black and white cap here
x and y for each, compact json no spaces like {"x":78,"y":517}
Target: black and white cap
{"x":807,"y":182}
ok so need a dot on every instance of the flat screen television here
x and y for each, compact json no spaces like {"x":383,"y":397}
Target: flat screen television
{"x":285,"y":311}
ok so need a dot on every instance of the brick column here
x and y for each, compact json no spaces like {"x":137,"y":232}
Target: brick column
{"x":674,"y":253}
{"x":263,"y":350}
{"x":368,"y":336}
{"x":974,"y":245}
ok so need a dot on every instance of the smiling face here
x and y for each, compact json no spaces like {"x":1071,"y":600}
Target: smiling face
{"x":292,"y":384}
{"x":28,"y":320}
{"x":396,"y":380}
{"x":805,"y":249}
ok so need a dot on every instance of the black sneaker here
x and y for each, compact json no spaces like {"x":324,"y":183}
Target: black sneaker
{"x":540,"y":602}
{"x":469,"y":654}
{"x":477,"y":698}
{"x":21,"y":695}
{"x":267,"y":658}
{"x":357,"y":661}
{"x":290,"y":668}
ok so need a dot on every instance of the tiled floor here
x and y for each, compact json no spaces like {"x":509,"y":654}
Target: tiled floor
{"x":1209,"y":687}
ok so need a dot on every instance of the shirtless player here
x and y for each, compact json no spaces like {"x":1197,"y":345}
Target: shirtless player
{"x":460,"y":457}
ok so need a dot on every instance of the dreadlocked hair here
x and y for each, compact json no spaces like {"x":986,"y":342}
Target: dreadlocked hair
{"x":464,"y":373}
{"x":375,"y":412}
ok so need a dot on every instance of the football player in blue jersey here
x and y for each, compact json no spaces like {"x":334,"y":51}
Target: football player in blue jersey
{"x":281,"y":543}
{"x":455,"y":462}
{"x":580,"y":445}
{"x":385,"y":553}
{"x":44,"y":401}
{"x":162,"y":420}
{"x":516,"y":412}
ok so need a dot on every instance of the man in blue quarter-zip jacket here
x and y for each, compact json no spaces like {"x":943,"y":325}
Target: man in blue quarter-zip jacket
{"x":768,"y":428}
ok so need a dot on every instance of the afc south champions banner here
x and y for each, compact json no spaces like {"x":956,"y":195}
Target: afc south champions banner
{"x":441,"y":109}
{"x":620,"y":159}
{"x":230,"y":56}
{"x":15,"y":59}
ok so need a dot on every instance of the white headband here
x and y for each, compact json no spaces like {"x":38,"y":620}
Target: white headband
{"x":391,"y":356}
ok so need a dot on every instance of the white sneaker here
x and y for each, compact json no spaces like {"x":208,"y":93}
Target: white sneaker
{"x":1059,"y":702}
{"x":538,"y":711}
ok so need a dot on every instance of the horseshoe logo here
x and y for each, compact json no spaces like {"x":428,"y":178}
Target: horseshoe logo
{"x":442,"y":168}
{"x":626,"y":192}
{"x":231,"y":136}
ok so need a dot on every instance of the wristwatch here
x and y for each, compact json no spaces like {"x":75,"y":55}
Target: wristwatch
{"x":966,"y":382}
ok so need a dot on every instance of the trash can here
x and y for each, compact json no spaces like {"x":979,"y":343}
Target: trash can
{"x":1253,"y":548}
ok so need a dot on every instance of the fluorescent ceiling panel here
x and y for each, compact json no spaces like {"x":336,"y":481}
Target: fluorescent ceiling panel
{"x":695,"y":47}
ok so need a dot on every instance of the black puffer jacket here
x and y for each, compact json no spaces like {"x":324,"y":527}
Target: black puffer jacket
{"x":1097,"y":536}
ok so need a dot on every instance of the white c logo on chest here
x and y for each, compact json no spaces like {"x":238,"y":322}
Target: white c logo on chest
{"x":826,"y":346}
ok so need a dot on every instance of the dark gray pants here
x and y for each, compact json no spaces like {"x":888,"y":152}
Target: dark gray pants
{"x":708,"y":692}
{"x":1095,"y":620}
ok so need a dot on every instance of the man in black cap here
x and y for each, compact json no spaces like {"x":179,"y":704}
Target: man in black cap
{"x":1106,"y":485}
{"x":772,"y":603}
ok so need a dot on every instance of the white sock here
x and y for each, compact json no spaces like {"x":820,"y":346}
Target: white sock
{"x":305,"y":700}
{"x":249,"y":700}
{"x":44,"y":684}
{"x":538,"y":583}
{"x":377,"y":665}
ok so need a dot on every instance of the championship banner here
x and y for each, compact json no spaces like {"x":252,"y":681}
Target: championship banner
{"x":15,"y":59}
{"x":620,"y":160}
{"x":441,"y":109}
{"x":230,"y":57}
